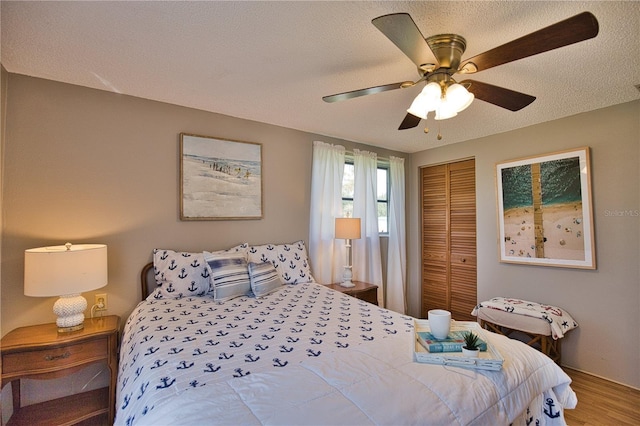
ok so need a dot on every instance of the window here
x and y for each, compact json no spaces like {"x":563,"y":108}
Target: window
{"x":382,"y":196}
{"x":383,"y":200}
{"x":347,"y":190}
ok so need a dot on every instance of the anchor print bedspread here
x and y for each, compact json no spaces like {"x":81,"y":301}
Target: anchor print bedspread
{"x":306,"y":354}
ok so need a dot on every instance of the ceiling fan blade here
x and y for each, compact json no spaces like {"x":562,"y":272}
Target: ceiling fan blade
{"x":505,"y":98}
{"x":573,"y":30}
{"x":403,"y":32}
{"x":410,"y":121}
{"x":362,"y":92}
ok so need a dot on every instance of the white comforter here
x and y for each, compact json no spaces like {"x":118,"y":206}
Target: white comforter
{"x":309,"y":355}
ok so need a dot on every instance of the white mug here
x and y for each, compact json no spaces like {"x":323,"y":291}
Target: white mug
{"x":439,"y":323}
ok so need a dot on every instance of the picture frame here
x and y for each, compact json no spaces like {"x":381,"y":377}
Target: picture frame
{"x":545,"y":214}
{"x":220,"y":179}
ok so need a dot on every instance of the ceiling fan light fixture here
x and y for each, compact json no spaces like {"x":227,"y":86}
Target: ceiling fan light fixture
{"x":459,"y":97}
{"x":418,"y":108}
{"x":447,"y":104}
{"x":433,"y":92}
{"x":445,"y":110}
{"x":427,"y":100}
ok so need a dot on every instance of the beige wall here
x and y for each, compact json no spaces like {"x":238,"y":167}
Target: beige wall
{"x":86,"y":166}
{"x":606,"y":301}
{"x":4,"y":79}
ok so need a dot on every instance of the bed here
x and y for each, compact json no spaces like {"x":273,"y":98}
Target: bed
{"x":301,"y":353}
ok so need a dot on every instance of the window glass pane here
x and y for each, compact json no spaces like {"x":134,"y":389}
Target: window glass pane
{"x":347,"y":208}
{"x":347,"y":182}
{"x":382,"y":175}
{"x":382,"y":184}
{"x":382,"y":218}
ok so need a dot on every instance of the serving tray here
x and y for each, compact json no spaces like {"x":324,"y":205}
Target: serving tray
{"x":487,"y":360}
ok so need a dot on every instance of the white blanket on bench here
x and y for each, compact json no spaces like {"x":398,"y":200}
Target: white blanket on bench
{"x":559,"y":319}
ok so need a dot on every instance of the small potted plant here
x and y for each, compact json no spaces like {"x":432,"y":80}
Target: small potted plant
{"x":471,"y":347}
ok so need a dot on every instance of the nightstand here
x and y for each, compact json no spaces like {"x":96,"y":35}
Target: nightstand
{"x":40,"y":352}
{"x":363,"y":291}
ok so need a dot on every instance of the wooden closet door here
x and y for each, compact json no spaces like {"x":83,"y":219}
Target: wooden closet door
{"x":435,"y":241}
{"x":449,"y":239}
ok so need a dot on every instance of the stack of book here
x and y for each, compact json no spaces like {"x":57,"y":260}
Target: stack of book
{"x":453,"y":343}
{"x":428,"y":350}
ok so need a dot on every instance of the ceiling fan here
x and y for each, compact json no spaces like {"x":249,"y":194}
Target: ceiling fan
{"x":448,"y":49}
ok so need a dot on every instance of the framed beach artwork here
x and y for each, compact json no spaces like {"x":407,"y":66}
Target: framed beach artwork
{"x":544,"y":210}
{"x":219,"y":179}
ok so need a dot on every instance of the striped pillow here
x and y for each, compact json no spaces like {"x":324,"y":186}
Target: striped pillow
{"x":229,"y":275}
{"x":264,"y":278}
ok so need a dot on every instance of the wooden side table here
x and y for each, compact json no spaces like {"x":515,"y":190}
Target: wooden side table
{"x":40,"y":352}
{"x":363,"y":291}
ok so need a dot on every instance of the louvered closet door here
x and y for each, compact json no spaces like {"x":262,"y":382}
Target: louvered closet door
{"x":462,"y":239}
{"x":449,"y":239}
{"x":435,"y":242}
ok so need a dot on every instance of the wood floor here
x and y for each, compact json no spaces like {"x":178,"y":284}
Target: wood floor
{"x":601,"y":402}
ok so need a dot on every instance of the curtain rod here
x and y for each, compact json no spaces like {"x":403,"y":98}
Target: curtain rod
{"x":381,"y":159}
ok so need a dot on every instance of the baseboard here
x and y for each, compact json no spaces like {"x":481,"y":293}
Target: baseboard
{"x":600,"y":377}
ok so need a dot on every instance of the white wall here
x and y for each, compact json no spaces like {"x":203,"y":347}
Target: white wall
{"x":606,"y":301}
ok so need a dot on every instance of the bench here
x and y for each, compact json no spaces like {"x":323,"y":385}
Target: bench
{"x":517,"y":319}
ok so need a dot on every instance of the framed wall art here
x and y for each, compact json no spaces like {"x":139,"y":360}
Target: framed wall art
{"x":544,"y":210}
{"x":219,"y":179}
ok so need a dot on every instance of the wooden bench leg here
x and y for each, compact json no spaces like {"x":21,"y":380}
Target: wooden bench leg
{"x":15,"y":393}
{"x":554,"y":350}
{"x":548,"y":346}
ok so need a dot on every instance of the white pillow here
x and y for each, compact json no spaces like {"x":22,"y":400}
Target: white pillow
{"x":290,"y":260}
{"x":228,"y":275}
{"x":179,"y":274}
{"x":264,"y":278}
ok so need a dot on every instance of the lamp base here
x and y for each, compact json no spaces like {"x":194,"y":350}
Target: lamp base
{"x":347,"y":284}
{"x":70,"y":329}
{"x":346,"y":277}
{"x":70,"y":311}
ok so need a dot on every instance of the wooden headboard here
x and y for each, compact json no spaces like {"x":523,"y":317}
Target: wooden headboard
{"x":148,"y":280}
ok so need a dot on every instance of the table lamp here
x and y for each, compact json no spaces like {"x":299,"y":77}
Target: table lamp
{"x":65,"y":271}
{"x":347,"y":228}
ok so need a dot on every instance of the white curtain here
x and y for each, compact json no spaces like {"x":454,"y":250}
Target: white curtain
{"x":367,"y":265}
{"x":326,"y":257}
{"x":397,"y":256}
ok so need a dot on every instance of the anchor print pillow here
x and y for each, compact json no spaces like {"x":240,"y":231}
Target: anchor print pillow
{"x":228,"y":275}
{"x":289,"y":260}
{"x":183,"y":274}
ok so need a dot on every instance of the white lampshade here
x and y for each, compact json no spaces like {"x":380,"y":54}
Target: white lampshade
{"x":58,"y":271}
{"x":65,"y":271}
{"x":459,"y":97}
{"x":455,"y":99}
{"x":348,"y":228}
{"x":427,"y":100}
{"x":445,"y":110}
{"x":432,"y":93}
{"x":418,"y":107}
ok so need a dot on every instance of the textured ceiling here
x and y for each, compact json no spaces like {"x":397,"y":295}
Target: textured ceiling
{"x":273,"y":61}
